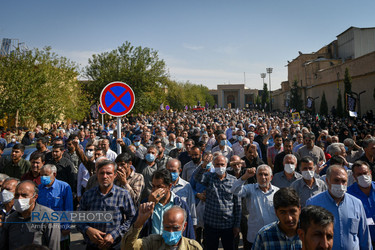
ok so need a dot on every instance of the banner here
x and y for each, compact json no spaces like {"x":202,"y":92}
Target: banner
{"x":296,"y":118}
{"x":351,"y":102}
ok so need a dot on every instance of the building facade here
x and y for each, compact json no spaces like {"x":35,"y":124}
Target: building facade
{"x":324,"y":71}
{"x":234,"y":96}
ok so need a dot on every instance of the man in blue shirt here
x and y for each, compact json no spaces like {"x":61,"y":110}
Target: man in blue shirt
{"x":364,"y":189}
{"x":351,"y":230}
{"x":56,"y":195}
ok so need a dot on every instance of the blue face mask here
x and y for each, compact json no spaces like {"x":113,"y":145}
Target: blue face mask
{"x":174,"y":176}
{"x":346,"y":148}
{"x":240,"y":138}
{"x":137,"y":143}
{"x":171,"y":238}
{"x":45,"y":180}
{"x":223,"y":142}
{"x":179,"y":145}
{"x":209,"y":165}
{"x":150,"y":157}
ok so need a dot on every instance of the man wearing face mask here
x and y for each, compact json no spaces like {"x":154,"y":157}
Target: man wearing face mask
{"x":58,"y":196}
{"x":223,"y":147}
{"x":19,"y":231}
{"x":308,"y":185}
{"x":8,"y":188}
{"x":172,"y":143}
{"x":238,"y":147}
{"x":174,"y":153}
{"x":350,"y":226}
{"x":259,"y":199}
{"x":147,"y":167}
{"x":289,"y":175}
{"x":140,"y":150}
{"x":174,"y":224}
{"x":222,"y":214}
{"x":364,"y":189}
{"x":164,"y":198}
{"x":181,"y":187}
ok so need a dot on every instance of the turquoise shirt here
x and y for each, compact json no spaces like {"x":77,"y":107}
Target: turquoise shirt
{"x":157,"y":215}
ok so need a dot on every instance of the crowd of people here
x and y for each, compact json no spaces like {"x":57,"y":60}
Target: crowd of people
{"x":192,"y":180}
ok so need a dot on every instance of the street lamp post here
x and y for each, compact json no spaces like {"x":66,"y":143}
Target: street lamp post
{"x":269,"y":71}
{"x":263,"y":75}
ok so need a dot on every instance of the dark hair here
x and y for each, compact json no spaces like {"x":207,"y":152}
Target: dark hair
{"x":58,"y":146}
{"x":190,"y":140}
{"x":286,"y":197}
{"x":277,"y":136}
{"x":106,"y":162}
{"x":32,"y":246}
{"x":310,"y":135}
{"x":38,"y":155}
{"x":163,"y":174}
{"x":336,"y":160}
{"x":315,"y":214}
{"x":358,"y":164}
{"x":19,"y":146}
{"x":196,"y":147}
{"x":307,"y":159}
{"x":124,"y":157}
{"x":157,"y":141}
{"x":44,"y":140}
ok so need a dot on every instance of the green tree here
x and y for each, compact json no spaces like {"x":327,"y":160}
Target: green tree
{"x":139,"y":67}
{"x":265,"y":97}
{"x":340,"y":110}
{"x":323,"y":105}
{"x":38,"y":85}
{"x":295,"y":99}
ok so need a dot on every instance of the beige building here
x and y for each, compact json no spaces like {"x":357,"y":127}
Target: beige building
{"x":234,"y":96}
{"x":324,"y":71}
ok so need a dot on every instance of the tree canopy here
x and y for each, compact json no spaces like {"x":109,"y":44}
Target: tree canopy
{"x":295,"y":99}
{"x":38,"y":85}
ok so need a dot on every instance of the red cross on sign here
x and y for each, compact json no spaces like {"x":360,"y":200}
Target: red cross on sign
{"x":117,"y":99}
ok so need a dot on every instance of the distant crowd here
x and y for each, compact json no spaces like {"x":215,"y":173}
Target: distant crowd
{"x":190,"y":180}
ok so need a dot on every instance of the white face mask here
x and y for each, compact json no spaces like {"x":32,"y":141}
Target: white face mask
{"x":90,"y":154}
{"x":220,"y":171}
{"x":338,"y":190}
{"x":364,"y":180}
{"x":6,"y":196}
{"x":308,"y":175}
{"x":289,"y":168}
{"x":21,"y":205}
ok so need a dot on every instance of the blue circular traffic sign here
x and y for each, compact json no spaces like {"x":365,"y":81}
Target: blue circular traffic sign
{"x":101,"y":110}
{"x":117,"y":99}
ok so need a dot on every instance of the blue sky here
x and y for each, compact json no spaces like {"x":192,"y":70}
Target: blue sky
{"x":206,"y":42}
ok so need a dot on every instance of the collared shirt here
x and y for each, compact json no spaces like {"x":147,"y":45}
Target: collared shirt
{"x":15,"y":170}
{"x":259,"y":205}
{"x":154,"y":242}
{"x":111,"y":155}
{"x":147,"y":172}
{"x":135,"y":184}
{"x":58,"y":197}
{"x":65,"y":171}
{"x":185,"y":192}
{"x":227,"y":151}
{"x":116,"y":200}
{"x":316,"y":153}
{"x":140,"y":151}
{"x":271,"y":237}
{"x":368,"y":203}
{"x":188,"y":169}
{"x":29,"y":176}
{"x":162,"y":163}
{"x":350,"y":226}
{"x":157,"y":215}
{"x":223,"y":209}
{"x":305,"y":192}
{"x":238,"y":149}
{"x":169,"y":148}
{"x":82,"y":179}
{"x":280,"y":180}
{"x":22,"y":232}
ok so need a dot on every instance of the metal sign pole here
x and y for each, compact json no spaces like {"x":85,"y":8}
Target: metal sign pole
{"x":118,"y":134}
{"x":103,"y":120}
